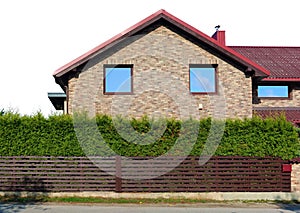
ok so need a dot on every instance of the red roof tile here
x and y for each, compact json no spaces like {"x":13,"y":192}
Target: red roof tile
{"x":282,"y":62}
{"x":229,"y":52}
{"x":291,"y":113}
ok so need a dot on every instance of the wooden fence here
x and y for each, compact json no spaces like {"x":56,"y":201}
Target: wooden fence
{"x":74,"y":174}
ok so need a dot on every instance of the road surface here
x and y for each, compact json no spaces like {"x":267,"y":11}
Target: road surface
{"x":105,"y":208}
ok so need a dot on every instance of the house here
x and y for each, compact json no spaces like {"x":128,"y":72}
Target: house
{"x":163,"y":66}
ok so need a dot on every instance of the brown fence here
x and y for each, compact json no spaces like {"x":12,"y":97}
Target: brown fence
{"x":219,"y":174}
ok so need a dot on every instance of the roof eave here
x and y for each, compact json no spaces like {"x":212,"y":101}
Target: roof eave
{"x":282,"y":79}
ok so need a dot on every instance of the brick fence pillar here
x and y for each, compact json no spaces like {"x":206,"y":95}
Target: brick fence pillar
{"x":295,"y":178}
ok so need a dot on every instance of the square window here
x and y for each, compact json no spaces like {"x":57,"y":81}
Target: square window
{"x":270,"y":91}
{"x":203,"y":78}
{"x":118,"y":79}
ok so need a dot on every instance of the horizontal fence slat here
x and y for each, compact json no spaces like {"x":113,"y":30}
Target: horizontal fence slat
{"x":220,"y":174}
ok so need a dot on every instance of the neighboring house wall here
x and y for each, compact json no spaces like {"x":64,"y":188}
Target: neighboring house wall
{"x":160,"y":51}
{"x":295,"y":178}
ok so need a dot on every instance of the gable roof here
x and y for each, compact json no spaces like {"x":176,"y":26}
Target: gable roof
{"x":162,"y":14}
{"x":283,"y":62}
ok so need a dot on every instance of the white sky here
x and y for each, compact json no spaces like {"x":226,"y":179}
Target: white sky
{"x":39,"y":36}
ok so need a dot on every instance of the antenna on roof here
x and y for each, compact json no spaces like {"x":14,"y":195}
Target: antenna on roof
{"x":217,"y":27}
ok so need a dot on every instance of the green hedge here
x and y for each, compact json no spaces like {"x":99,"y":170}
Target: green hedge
{"x":55,"y":136}
{"x":37,"y":135}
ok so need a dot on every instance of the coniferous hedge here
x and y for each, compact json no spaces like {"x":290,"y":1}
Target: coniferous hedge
{"x":36,"y":135}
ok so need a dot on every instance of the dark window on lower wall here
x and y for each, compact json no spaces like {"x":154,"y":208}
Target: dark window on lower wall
{"x":273,"y":91}
{"x":203,"y":78}
{"x":118,"y":79}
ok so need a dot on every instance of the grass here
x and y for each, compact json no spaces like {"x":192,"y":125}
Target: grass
{"x":128,"y":200}
{"x":30,"y":199}
{"x":101,"y":200}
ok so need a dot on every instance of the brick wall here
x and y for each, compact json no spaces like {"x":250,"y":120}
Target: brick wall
{"x":161,"y":61}
{"x":295,"y":178}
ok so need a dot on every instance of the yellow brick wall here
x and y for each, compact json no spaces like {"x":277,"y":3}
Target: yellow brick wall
{"x":161,"y":61}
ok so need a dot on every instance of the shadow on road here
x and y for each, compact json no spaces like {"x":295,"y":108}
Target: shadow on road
{"x":290,"y":207}
{"x":21,"y":194}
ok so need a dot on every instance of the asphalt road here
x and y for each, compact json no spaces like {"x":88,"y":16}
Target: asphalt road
{"x":52,"y":208}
